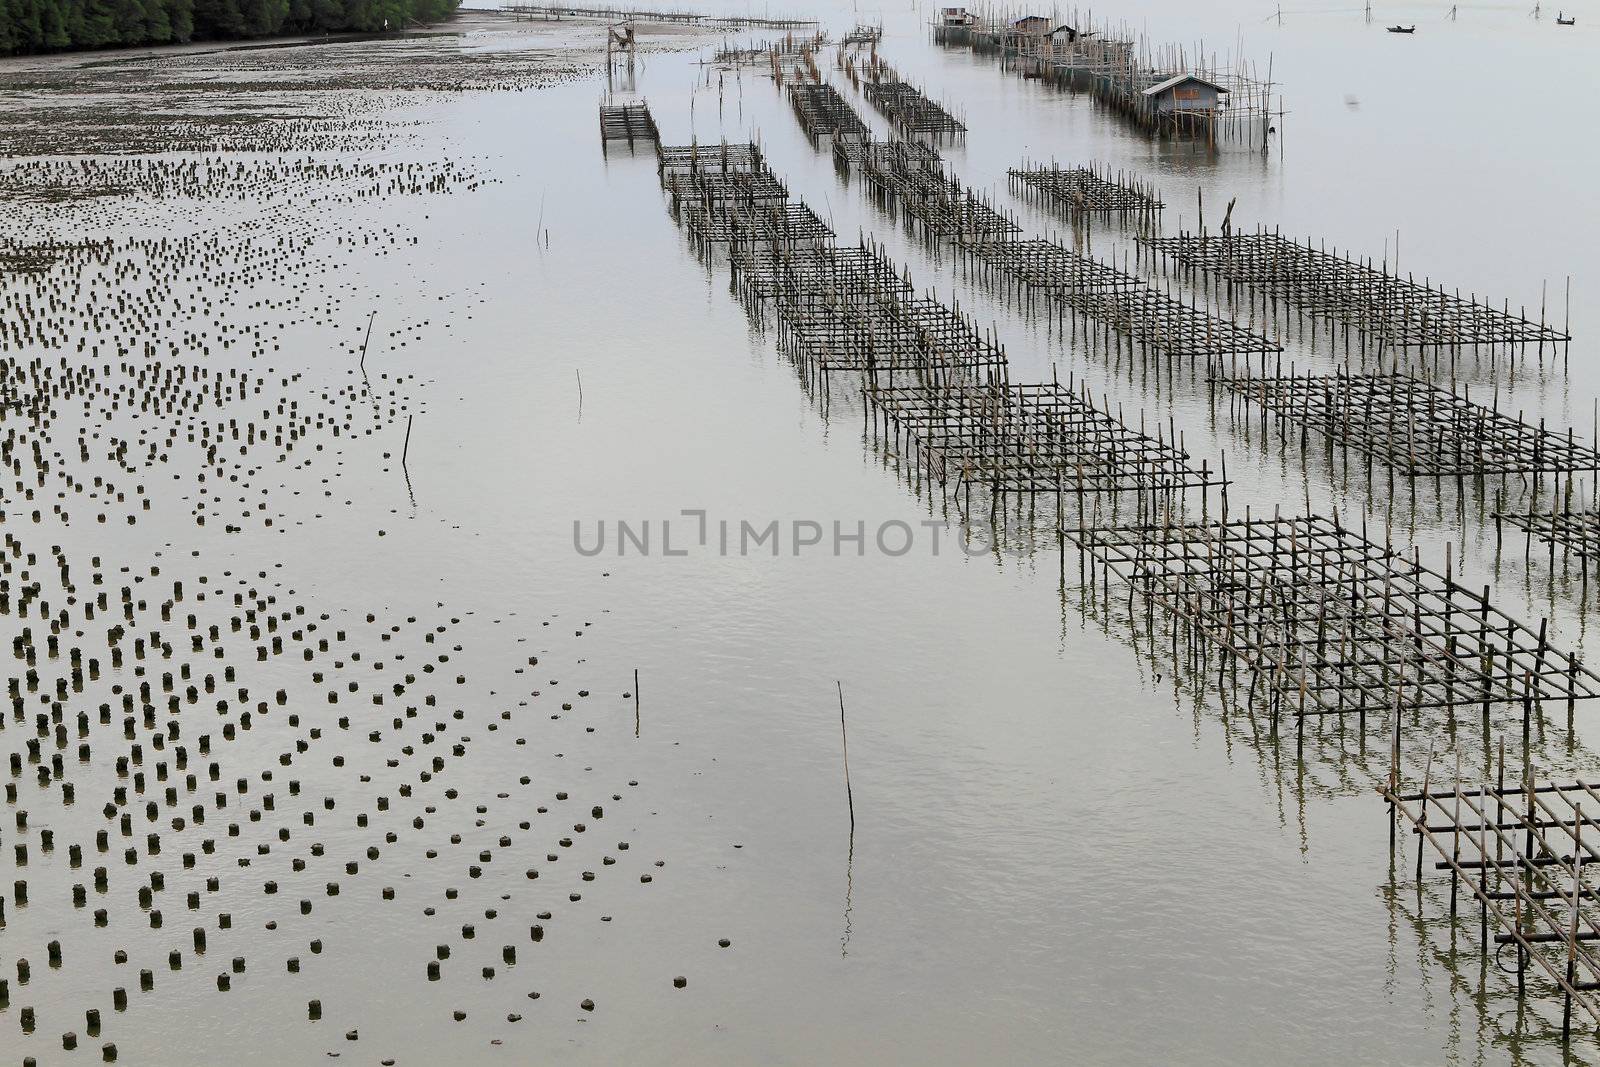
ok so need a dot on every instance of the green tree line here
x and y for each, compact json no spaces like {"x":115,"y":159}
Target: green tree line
{"x":60,"y":25}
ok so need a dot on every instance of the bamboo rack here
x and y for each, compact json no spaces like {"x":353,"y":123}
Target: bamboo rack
{"x":1521,"y":851}
{"x":1270,"y":273}
{"x":1323,"y":621}
{"x":1090,"y":190}
{"x":1418,"y":429}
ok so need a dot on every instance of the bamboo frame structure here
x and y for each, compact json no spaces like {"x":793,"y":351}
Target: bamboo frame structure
{"x":627,"y":122}
{"x":932,"y":380}
{"x":1571,"y":531}
{"x":1268,"y":271}
{"x":1039,"y":265}
{"x":1522,"y":852}
{"x":1076,"y":289}
{"x":909,"y":180}
{"x":1044,"y":438}
{"x":788,"y":47}
{"x":910,"y":111}
{"x":862,"y":34}
{"x":824,"y":113}
{"x":1418,"y":429}
{"x":704,"y":159}
{"x":912,"y":185}
{"x":706,"y":189}
{"x":1090,"y":190}
{"x":886,"y":156}
{"x":1325,"y":621}
{"x":1298,"y":615}
{"x":764,"y":276}
{"x":841,"y":331}
{"x":736,"y":221}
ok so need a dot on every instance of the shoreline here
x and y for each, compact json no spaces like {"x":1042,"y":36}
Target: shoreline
{"x":244,"y":44}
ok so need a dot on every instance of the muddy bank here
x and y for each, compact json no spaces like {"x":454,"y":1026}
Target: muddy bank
{"x":236,"y":797}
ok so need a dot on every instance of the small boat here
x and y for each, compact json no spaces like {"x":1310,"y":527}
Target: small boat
{"x":1565,"y":22}
{"x":1403,"y":29}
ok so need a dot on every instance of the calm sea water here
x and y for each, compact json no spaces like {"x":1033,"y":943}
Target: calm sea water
{"x":1056,"y":858}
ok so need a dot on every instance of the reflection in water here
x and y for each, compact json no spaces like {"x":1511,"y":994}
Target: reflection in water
{"x":1331,"y":756}
{"x":1003,"y":749}
{"x":1481,"y":1003}
{"x":1328,"y":642}
{"x":1336,"y":757}
{"x":1477,"y":1003}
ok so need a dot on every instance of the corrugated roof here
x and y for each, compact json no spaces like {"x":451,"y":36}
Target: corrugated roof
{"x":1179,"y":79}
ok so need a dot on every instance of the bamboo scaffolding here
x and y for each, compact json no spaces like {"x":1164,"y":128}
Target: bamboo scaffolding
{"x":1522,"y":851}
{"x":824,"y":113}
{"x":909,"y":180}
{"x":1090,"y":190}
{"x":1324,"y":621}
{"x":1267,"y":270}
{"x":933,"y":381}
{"x":862,"y":34}
{"x":627,"y":122}
{"x":1571,"y":531}
{"x":910,"y":111}
{"x":770,"y":53}
{"x":1044,"y":438}
{"x":1418,"y":429}
{"x":702,"y":159}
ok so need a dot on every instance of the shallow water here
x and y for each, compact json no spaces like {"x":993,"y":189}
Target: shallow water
{"x":1056,"y":856}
